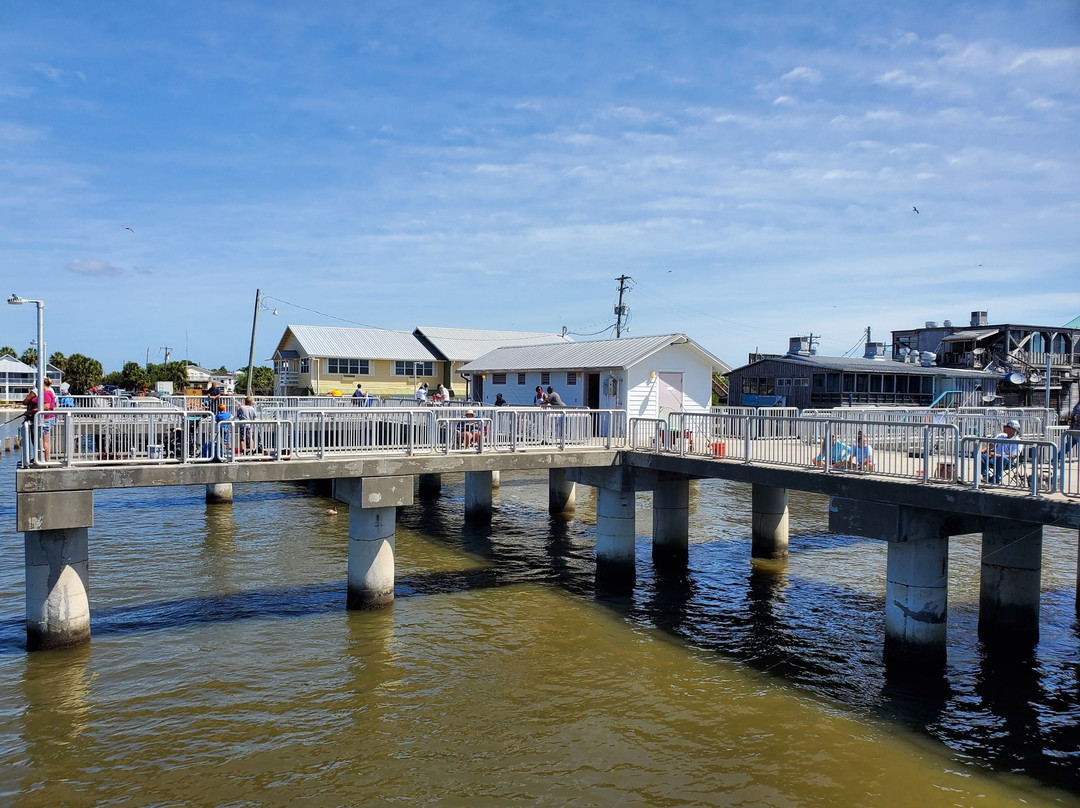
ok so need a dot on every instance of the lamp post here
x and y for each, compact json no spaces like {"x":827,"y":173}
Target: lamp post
{"x":15,"y":300}
{"x":260,"y":305}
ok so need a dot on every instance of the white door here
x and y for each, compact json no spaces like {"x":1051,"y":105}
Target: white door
{"x":670,"y":398}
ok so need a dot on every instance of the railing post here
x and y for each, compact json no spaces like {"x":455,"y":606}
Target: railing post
{"x":513,"y":431}
{"x":746,"y":438}
{"x":926,"y":453}
{"x":410,"y":446}
{"x":69,"y":438}
{"x":322,"y":435}
{"x":562,"y":431}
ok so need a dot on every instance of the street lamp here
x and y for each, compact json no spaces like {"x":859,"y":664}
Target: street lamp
{"x":15,"y":300}
{"x":260,"y":305}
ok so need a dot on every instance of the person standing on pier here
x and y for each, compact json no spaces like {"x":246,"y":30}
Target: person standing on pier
{"x":31,"y":404}
{"x":553,"y":398}
{"x":539,"y":400}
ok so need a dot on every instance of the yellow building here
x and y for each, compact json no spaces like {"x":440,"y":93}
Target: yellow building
{"x":321,"y":359}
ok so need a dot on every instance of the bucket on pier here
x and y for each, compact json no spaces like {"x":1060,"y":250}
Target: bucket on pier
{"x":718,"y":449}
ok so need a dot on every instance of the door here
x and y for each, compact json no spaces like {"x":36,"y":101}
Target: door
{"x":670,"y":398}
{"x":592,"y":391}
{"x":478,"y":388}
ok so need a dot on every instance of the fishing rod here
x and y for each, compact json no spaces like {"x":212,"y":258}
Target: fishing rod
{"x":9,"y":420}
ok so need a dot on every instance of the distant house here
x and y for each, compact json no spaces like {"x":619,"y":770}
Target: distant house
{"x":457,"y":346}
{"x":204,"y":379}
{"x":1018,"y":354}
{"x":644,"y":376}
{"x":17,"y":379}
{"x":805,"y":380}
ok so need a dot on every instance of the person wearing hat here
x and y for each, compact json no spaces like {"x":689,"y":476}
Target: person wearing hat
{"x":998,"y":458}
{"x":469,"y":430}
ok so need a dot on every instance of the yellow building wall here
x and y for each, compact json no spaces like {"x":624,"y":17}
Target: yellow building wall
{"x":381,"y":381}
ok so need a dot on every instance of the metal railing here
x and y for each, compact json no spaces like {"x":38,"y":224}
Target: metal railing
{"x":106,"y":436}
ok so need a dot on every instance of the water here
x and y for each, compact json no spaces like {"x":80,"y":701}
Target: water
{"x":224,"y":669}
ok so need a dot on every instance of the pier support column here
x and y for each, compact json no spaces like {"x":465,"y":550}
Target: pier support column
{"x":429,"y":485}
{"x":917,"y":599}
{"x":671,"y":520}
{"x":372,"y":521}
{"x":562,"y":495}
{"x":478,"y":496}
{"x":769,"y":530}
{"x":615,"y":530}
{"x":1011,"y":581}
{"x":57,"y":559}
{"x":218,"y":493}
{"x":495,"y":479}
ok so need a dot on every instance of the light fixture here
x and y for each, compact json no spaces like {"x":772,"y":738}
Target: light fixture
{"x":652,"y":375}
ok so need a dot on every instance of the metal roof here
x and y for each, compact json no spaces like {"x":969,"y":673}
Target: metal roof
{"x":466,"y":344}
{"x":358,"y":343}
{"x":596,"y":355}
{"x":974,"y":334}
{"x":9,"y":364}
{"x":859,"y":365}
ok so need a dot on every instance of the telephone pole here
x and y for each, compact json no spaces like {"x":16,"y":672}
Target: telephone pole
{"x":621,"y":310}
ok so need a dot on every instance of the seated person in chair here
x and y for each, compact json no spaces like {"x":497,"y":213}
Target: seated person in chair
{"x":862,"y":455}
{"x":470,"y":431}
{"x":997,"y":458}
{"x":836,"y":454}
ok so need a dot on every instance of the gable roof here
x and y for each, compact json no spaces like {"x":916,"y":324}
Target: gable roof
{"x":357,"y":343}
{"x":597,"y":355}
{"x":466,"y":344}
{"x":9,"y":364}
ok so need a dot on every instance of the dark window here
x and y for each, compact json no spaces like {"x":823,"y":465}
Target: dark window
{"x":545,"y":378}
{"x":819,"y":382}
{"x":901,"y":384}
{"x":498,"y":378}
{"x":888,"y":384}
{"x":849,"y":382}
{"x":521,"y":378}
{"x":833,"y":383}
{"x":875,"y":384}
{"x":862,"y":383}
{"x":571,"y":379}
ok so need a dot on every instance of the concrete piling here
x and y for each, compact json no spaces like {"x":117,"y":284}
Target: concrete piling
{"x":1010,"y":582}
{"x":478,"y":499}
{"x":671,"y":520}
{"x":916,"y":599}
{"x":373,"y":503}
{"x":57,"y":588}
{"x":562,"y":495}
{"x":219,"y":493}
{"x":615,"y":530}
{"x":769,"y":521}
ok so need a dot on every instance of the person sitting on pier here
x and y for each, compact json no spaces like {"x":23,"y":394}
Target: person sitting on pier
{"x":470,"y":430}
{"x":997,"y":458}
{"x":359,"y":396}
{"x":862,"y":455}
{"x":440,"y":398}
{"x":836,"y":454}
{"x":421,"y":395}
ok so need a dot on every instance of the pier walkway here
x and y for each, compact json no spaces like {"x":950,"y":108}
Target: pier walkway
{"x":924,"y":485}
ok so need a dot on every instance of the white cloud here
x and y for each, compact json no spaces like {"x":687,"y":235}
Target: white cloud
{"x":783,"y":101}
{"x":97,"y":269}
{"x":807,"y":74}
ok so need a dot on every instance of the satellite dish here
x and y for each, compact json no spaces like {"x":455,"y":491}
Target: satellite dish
{"x":1016,"y":377}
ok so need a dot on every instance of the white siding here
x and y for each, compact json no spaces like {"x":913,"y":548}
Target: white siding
{"x":697,"y":382}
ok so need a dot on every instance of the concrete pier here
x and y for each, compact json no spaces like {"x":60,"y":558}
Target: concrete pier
{"x":562,"y":494}
{"x":478,"y":497}
{"x":769,"y":521}
{"x":916,"y":599}
{"x":57,"y":557}
{"x":373,"y":505}
{"x":615,"y":530}
{"x":57,"y":588}
{"x":429,"y":485}
{"x":671,"y":520}
{"x":219,"y":493}
{"x":1011,"y":581}
{"x":496,"y":479}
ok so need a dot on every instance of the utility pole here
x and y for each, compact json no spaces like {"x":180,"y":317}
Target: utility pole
{"x":251,"y":353}
{"x":620,"y":310}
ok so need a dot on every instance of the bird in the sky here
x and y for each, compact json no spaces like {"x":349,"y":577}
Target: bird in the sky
{"x":128,"y":228}
{"x":914,"y":208}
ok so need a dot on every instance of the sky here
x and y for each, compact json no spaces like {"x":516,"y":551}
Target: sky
{"x":755,"y":168}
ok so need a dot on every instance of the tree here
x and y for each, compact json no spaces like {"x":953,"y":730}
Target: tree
{"x":175,"y":372}
{"x":29,"y":357}
{"x":58,"y":360}
{"x":262,"y":381}
{"x":115,"y":379}
{"x":133,"y":377}
{"x":7,"y":350}
{"x":82,"y":373}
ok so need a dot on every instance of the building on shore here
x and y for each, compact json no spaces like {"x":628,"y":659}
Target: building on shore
{"x":645,"y":376}
{"x":805,"y":380}
{"x":17,"y":378}
{"x":1017,"y":354}
{"x":321,"y":359}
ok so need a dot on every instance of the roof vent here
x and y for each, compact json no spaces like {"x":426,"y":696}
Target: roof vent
{"x":874,"y":350}
{"x":947,"y":323}
{"x":799,"y":346}
{"x":931,"y":324}
{"x":978,"y":318}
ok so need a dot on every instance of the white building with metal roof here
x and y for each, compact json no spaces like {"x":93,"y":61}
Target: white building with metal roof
{"x":645,"y":376}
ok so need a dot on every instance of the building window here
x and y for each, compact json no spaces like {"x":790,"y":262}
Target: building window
{"x":404,"y":367}
{"x":571,"y":379}
{"x":819,"y":382}
{"x":346,"y":367}
{"x":305,"y":365}
{"x":521,"y":378}
{"x":498,"y":378}
{"x":545,"y":378}
{"x":875,"y":384}
{"x":804,"y":382}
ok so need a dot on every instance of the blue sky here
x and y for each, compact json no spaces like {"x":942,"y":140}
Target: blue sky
{"x":753,"y":167}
